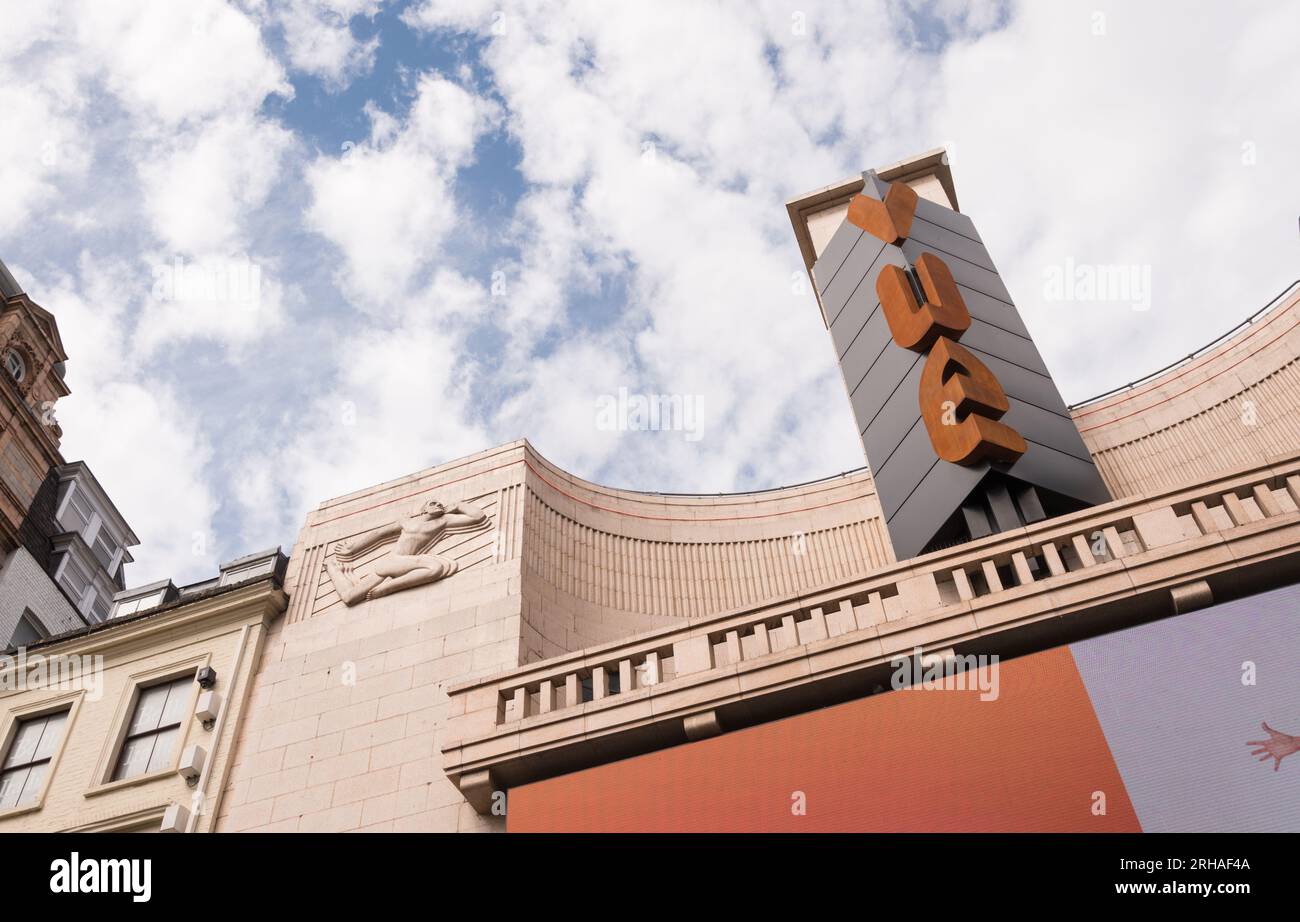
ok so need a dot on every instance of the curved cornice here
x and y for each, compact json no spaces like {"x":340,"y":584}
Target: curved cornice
{"x":1234,"y":402}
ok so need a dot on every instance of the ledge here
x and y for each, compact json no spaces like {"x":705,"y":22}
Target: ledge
{"x":1044,"y":585}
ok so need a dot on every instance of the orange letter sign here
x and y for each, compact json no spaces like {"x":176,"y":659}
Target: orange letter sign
{"x":916,"y":326}
{"x":890,"y":220}
{"x":961,"y":400}
{"x":960,"y":403}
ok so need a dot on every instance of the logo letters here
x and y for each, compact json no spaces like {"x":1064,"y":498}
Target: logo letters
{"x":953,"y":373}
{"x":961,"y":399}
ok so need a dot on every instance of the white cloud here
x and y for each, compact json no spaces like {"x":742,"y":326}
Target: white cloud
{"x":401,"y":400}
{"x":175,"y":62}
{"x":559,"y":408}
{"x":1120,"y":151}
{"x":200,"y":186}
{"x":319,"y":41}
{"x":683,"y":189}
{"x":388,"y":203}
{"x":43,"y":117}
{"x":234,"y":302}
{"x":137,"y":435}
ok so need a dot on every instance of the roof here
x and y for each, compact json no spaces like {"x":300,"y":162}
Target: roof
{"x":9,"y":286}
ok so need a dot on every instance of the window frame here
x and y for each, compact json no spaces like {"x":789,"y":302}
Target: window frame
{"x":68,"y":702}
{"x":21,"y":375}
{"x":103,"y":781}
{"x":152,"y":733}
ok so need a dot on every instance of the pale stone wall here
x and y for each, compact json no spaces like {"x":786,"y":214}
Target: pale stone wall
{"x":347,"y":712}
{"x":1238,"y":404}
{"x":601,"y":564}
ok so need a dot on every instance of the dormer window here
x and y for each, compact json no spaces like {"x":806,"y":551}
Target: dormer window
{"x":14,"y":365}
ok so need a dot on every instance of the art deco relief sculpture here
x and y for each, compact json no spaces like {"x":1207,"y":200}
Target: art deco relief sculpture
{"x":411,"y":561}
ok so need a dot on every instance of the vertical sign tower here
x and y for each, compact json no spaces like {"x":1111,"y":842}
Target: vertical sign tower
{"x":964,"y":430}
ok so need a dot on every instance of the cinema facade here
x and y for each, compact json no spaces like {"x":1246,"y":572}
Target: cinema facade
{"x":1051,"y":618}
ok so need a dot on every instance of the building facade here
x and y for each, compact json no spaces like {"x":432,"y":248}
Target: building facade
{"x":129,"y":725}
{"x":497,"y":644}
{"x":63,"y":544}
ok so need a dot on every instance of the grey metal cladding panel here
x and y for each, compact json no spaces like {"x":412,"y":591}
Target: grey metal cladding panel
{"x":903,"y":472}
{"x":946,"y":218}
{"x":1066,"y":474}
{"x":964,"y":273}
{"x":943,"y":487}
{"x":913,"y":519}
{"x":1045,"y":428}
{"x":837,"y":249}
{"x":873,"y":186}
{"x":865,"y":350}
{"x":869,"y":397}
{"x":863,"y":301}
{"x":984,"y":337}
{"x":853,"y":314}
{"x":939,"y":494}
{"x":899,"y":450}
{"x":894,"y":420}
{"x":1021,"y":383}
{"x":992,"y":311}
{"x":946,"y":243}
{"x":856,"y":266}
{"x":883,"y":433}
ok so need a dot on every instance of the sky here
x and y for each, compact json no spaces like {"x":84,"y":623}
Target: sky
{"x":297,"y":249}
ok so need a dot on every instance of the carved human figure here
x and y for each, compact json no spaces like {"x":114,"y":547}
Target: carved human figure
{"x":411,"y":561}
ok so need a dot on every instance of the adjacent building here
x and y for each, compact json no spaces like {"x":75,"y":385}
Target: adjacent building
{"x":129,"y":724}
{"x":63,"y":544}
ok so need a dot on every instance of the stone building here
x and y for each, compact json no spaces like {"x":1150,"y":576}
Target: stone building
{"x":129,"y":725}
{"x":495,"y":643}
{"x":63,"y":544}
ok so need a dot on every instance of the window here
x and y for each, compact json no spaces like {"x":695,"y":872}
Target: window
{"x":131,"y":606}
{"x":14,"y":365}
{"x":74,"y":579}
{"x":78,"y":512}
{"x":23,"y":772}
{"x":100,"y":609}
{"x":155,"y":728}
{"x":104,"y":547}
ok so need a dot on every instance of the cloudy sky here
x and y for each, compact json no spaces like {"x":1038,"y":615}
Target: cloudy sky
{"x":296,"y":249}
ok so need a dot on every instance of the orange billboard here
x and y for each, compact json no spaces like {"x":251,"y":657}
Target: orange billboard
{"x":1031,"y":758}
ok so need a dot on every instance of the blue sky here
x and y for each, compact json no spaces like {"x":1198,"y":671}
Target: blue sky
{"x":471,"y":221}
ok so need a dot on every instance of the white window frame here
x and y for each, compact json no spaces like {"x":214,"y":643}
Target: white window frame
{"x":102,"y":780}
